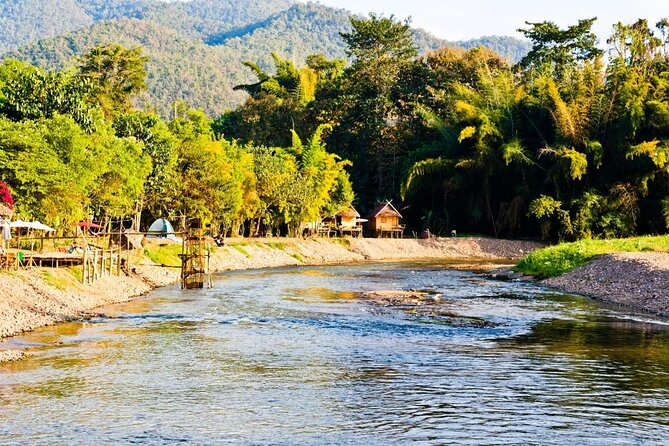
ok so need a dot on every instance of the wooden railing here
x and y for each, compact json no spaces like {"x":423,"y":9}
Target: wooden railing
{"x":101,"y":262}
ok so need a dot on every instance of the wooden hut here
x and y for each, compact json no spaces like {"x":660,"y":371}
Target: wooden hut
{"x":384,"y":221}
{"x":348,"y":222}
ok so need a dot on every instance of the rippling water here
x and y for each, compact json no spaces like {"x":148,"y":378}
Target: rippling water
{"x":296,"y":356}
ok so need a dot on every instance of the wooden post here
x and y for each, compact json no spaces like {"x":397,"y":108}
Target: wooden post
{"x":95,"y":265}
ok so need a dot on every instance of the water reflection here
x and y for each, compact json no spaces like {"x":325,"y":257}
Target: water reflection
{"x":300,"y":356}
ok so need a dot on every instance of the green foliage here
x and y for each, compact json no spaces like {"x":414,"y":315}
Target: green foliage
{"x":242,"y":251}
{"x":665,"y":211}
{"x":568,"y":138}
{"x":297,"y":257}
{"x":164,"y":254}
{"x":27,"y":92}
{"x":558,"y":48}
{"x":279,"y":246}
{"x":60,"y":172}
{"x":552,"y":218}
{"x":557,"y":260}
{"x":116,"y":74}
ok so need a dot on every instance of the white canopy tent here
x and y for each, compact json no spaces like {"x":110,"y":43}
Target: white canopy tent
{"x":36,"y":225}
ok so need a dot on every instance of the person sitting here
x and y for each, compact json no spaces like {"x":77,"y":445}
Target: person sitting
{"x":75,"y":248}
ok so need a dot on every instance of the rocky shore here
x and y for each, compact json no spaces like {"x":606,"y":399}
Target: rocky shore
{"x":40,"y":297}
{"x":635,"y":280}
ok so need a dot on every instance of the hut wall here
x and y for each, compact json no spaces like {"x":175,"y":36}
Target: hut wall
{"x":385,"y":223}
{"x":348,"y":222}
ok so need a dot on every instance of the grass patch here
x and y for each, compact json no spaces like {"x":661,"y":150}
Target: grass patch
{"x":241,"y":250}
{"x":559,"y":259}
{"x":164,"y":255}
{"x":297,"y":257}
{"x":342,"y":241}
{"x":277,"y":245}
{"x":54,"y":281}
{"x":76,"y":272}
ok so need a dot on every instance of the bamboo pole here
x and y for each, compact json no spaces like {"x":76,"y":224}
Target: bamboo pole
{"x":95,"y":265}
{"x":83,"y":270}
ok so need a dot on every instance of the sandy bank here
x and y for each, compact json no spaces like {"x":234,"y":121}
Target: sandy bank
{"x":636,"y":280}
{"x":41,"y":297}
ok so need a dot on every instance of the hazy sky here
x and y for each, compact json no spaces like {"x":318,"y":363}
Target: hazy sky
{"x":464,"y":19}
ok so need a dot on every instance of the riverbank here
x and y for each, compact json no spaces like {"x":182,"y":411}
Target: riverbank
{"x":635,"y":280}
{"x":40,"y":297}
{"x":632,"y":272}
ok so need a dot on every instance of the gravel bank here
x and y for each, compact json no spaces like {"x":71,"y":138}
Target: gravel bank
{"x":41,"y":297}
{"x":636,"y":280}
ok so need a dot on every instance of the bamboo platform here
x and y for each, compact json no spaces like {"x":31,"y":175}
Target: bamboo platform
{"x":54,"y":259}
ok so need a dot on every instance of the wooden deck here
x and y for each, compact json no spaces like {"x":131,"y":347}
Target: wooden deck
{"x":353,"y":231}
{"x":53,"y":259}
{"x":395,"y":232}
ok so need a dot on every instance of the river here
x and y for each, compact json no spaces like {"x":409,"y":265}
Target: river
{"x":301,"y":356}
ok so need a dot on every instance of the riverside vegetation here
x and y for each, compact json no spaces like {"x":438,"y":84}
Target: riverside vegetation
{"x":563,"y":145}
{"x":557,"y":260}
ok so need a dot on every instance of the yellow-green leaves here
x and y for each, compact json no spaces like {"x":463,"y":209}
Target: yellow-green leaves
{"x":513,"y":152}
{"x":653,"y":150}
{"x":467,"y":132}
{"x":577,"y":161}
{"x":465,"y":111}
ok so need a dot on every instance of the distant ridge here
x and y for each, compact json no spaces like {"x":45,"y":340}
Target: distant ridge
{"x":196,"y":47}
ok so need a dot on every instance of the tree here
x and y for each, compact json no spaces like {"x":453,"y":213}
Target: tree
{"x":208,"y":187}
{"x":159,"y":197}
{"x":289,"y":82}
{"x":27,"y":92}
{"x":117,"y":75}
{"x":478,"y":142}
{"x":362,"y":107}
{"x":557,"y":49}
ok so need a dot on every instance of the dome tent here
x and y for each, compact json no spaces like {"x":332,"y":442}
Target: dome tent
{"x":162,"y":228}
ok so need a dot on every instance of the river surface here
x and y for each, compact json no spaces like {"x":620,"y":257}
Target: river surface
{"x":301,"y":356}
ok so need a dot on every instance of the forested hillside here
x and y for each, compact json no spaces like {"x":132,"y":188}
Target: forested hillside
{"x":572,"y":142}
{"x":25,"y":21}
{"x":195,"y":48}
{"x":179,"y":69}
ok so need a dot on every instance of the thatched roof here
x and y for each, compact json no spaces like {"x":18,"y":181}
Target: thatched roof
{"x":385,"y":209}
{"x":349,"y":213}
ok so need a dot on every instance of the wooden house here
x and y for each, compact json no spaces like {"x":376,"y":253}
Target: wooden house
{"x":348,"y":222}
{"x":384,"y":221}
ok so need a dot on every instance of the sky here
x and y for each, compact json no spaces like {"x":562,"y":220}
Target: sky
{"x":466,"y":19}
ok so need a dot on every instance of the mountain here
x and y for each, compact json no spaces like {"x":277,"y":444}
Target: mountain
{"x":24,"y":21}
{"x":509,"y":47}
{"x":196,"y":47}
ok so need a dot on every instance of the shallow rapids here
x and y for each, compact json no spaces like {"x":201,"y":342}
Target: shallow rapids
{"x":311,"y":356}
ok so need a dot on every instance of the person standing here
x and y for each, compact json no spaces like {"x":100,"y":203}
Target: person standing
{"x":6,"y":232}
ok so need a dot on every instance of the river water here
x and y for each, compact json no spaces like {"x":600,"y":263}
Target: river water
{"x":300,"y":356}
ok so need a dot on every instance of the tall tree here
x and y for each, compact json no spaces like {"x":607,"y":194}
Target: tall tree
{"x":556,"y":49}
{"x":117,"y":74}
{"x":362,"y":106}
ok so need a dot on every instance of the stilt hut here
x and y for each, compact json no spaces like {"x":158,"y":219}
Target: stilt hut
{"x":384,"y":221}
{"x":349,"y":223}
